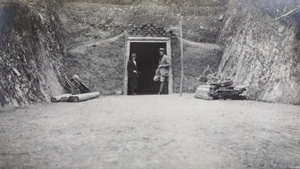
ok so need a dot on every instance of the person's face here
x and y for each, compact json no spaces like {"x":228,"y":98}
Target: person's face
{"x":161,"y":53}
{"x":133,"y":57}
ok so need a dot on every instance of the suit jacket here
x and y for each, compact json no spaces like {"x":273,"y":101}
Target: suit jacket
{"x":164,"y":65}
{"x":131,"y":67}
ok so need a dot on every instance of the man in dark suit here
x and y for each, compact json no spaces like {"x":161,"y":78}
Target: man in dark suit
{"x":133,"y":73}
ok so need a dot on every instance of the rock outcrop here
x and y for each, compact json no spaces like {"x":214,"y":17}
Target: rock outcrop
{"x":262,"y":53}
{"x":31,"y":50}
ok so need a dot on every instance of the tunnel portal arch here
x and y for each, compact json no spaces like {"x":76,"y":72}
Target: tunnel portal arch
{"x":130,"y":40}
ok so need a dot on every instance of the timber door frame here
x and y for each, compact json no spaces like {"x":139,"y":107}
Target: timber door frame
{"x":130,"y":40}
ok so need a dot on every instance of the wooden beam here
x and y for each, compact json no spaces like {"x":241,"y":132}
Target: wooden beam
{"x":83,"y":97}
{"x":60,"y":98}
{"x":181,"y":55}
{"x":150,"y":39}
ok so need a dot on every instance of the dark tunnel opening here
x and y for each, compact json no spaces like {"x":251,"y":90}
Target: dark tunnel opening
{"x":147,"y":61}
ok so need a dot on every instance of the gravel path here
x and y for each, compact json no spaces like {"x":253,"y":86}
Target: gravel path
{"x":152,"y":132}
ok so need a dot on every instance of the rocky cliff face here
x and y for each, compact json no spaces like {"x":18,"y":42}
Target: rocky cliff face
{"x":262,"y":53}
{"x":31,"y":51}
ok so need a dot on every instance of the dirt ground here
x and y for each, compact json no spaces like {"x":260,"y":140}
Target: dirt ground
{"x":151,"y":132}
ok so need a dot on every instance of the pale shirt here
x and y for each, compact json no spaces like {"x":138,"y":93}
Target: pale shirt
{"x":135,"y":65}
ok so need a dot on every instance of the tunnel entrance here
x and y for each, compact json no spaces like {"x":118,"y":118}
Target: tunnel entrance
{"x":147,"y":61}
{"x":147,"y":51}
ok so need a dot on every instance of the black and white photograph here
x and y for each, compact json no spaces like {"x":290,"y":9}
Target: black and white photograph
{"x":149,"y":84}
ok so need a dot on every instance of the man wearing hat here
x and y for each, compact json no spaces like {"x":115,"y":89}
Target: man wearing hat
{"x":163,"y":69}
{"x":133,"y":74}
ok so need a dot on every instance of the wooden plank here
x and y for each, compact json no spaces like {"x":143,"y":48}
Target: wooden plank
{"x":181,"y":55}
{"x":223,"y":84}
{"x":200,"y":87}
{"x":126,"y":58}
{"x":240,"y":87}
{"x":169,"y":54}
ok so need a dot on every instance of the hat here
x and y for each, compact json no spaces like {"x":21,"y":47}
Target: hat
{"x":133,"y":55}
{"x":161,"y":49}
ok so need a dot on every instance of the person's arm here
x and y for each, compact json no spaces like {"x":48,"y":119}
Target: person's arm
{"x":166,"y":64}
{"x":130,"y":67}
